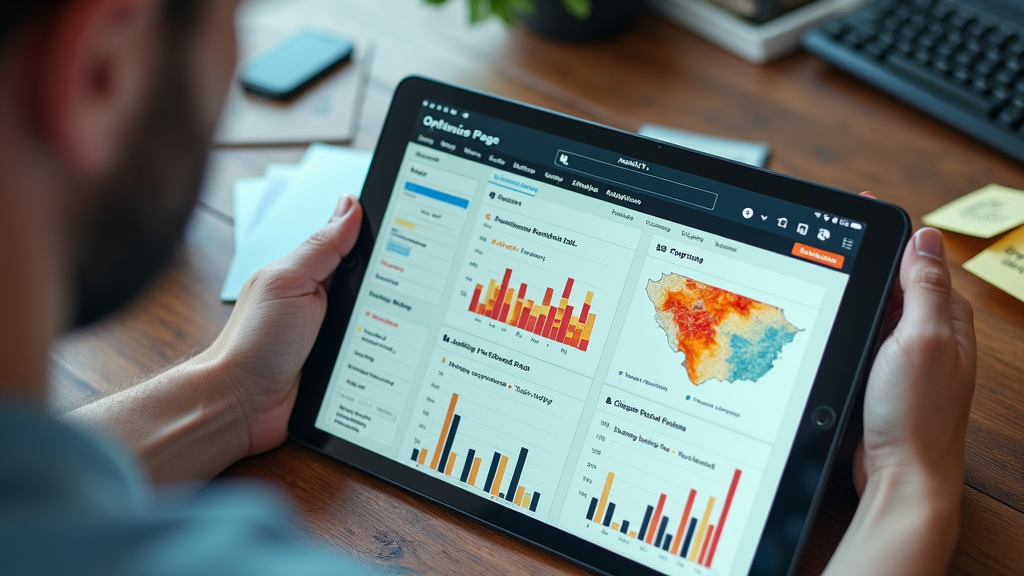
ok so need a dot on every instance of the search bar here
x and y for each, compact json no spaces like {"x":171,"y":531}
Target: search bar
{"x":654,"y":185}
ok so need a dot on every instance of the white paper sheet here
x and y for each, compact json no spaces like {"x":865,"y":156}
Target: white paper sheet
{"x":293,"y":204}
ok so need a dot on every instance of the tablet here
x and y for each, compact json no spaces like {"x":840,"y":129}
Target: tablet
{"x":635,"y":355}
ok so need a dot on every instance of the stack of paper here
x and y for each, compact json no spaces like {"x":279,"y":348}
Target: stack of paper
{"x":278,"y":211}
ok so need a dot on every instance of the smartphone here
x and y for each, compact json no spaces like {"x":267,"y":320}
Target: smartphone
{"x":286,"y":69}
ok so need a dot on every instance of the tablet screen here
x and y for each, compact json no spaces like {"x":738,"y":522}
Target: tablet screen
{"x":619,"y":349}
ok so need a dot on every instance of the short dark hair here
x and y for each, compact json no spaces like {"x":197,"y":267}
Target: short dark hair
{"x":178,"y":14}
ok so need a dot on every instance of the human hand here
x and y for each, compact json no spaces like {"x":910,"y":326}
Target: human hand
{"x":275,"y":322}
{"x":919,"y":391}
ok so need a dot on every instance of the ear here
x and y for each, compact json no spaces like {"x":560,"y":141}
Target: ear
{"x":97,"y":70}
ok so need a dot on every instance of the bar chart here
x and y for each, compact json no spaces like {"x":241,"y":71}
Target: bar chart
{"x":534,"y":281}
{"x":443,"y":462}
{"x":501,"y":302}
{"x":663,"y":488}
{"x":696,"y":541}
{"x":491,"y":432}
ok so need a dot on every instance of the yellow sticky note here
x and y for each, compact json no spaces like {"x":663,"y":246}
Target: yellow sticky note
{"x":983,"y":213}
{"x":1002,"y":264}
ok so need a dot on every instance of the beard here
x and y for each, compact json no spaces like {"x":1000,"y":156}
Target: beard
{"x":138,"y":216}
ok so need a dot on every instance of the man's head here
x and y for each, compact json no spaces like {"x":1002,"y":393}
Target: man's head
{"x":106,"y":110}
{"x":117,"y":100}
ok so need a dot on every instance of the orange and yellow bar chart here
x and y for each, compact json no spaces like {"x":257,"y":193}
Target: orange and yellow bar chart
{"x":696,"y":537}
{"x":443,"y":461}
{"x":503,"y":303}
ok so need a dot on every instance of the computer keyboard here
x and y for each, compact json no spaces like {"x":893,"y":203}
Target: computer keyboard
{"x":960,"y":61}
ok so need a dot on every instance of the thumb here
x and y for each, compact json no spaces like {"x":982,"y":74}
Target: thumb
{"x":927,"y":287}
{"x":321,"y":254}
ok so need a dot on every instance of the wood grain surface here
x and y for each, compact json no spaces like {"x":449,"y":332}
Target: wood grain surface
{"x":822,"y":125}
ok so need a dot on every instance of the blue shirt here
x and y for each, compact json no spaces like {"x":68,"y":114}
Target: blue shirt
{"x":73,"y":503}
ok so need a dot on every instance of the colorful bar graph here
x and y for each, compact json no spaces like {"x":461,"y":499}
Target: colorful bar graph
{"x":505,"y":304}
{"x":695,"y":539}
{"x":444,"y":462}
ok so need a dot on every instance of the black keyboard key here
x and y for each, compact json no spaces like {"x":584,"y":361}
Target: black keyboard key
{"x":946,"y":49}
{"x":924,"y":77}
{"x":1000,"y":96}
{"x":1010,"y":118}
{"x":984,"y":68}
{"x":965,"y":58}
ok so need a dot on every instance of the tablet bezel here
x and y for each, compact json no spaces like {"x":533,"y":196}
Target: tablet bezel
{"x":813,"y":451}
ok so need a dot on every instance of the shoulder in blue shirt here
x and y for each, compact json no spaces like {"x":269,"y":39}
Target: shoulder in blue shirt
{"x":72,"y":503}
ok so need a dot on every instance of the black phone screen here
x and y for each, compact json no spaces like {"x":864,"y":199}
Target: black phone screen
{"x":285,"y":69}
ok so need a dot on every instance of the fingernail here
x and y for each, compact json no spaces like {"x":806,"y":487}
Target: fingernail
{"x":928,"y":242}
{"x":344,"y":206}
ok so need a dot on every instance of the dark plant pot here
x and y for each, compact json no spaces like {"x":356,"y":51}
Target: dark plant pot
{"x":607,"y":18}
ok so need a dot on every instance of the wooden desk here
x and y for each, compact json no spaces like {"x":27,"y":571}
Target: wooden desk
{"x":822,"y":126}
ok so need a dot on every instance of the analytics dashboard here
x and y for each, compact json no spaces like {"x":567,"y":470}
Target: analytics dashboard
{"x":617,"y":349}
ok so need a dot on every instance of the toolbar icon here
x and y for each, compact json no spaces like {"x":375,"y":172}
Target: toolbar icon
{"x":823,"y":234}
{"x":783,"y":222}
{"x":801,"y":229}
{"x":748,"y":213}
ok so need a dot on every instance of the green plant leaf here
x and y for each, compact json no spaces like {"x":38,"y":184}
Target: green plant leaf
{"x":578,"y":8}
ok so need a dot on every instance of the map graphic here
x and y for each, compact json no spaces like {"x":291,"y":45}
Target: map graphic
{"x":724,"y":336}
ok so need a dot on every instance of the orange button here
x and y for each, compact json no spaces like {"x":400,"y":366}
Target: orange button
{"x":820,"y":256}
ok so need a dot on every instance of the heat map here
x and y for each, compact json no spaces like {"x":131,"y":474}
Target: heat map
{"x":724,"y":336}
